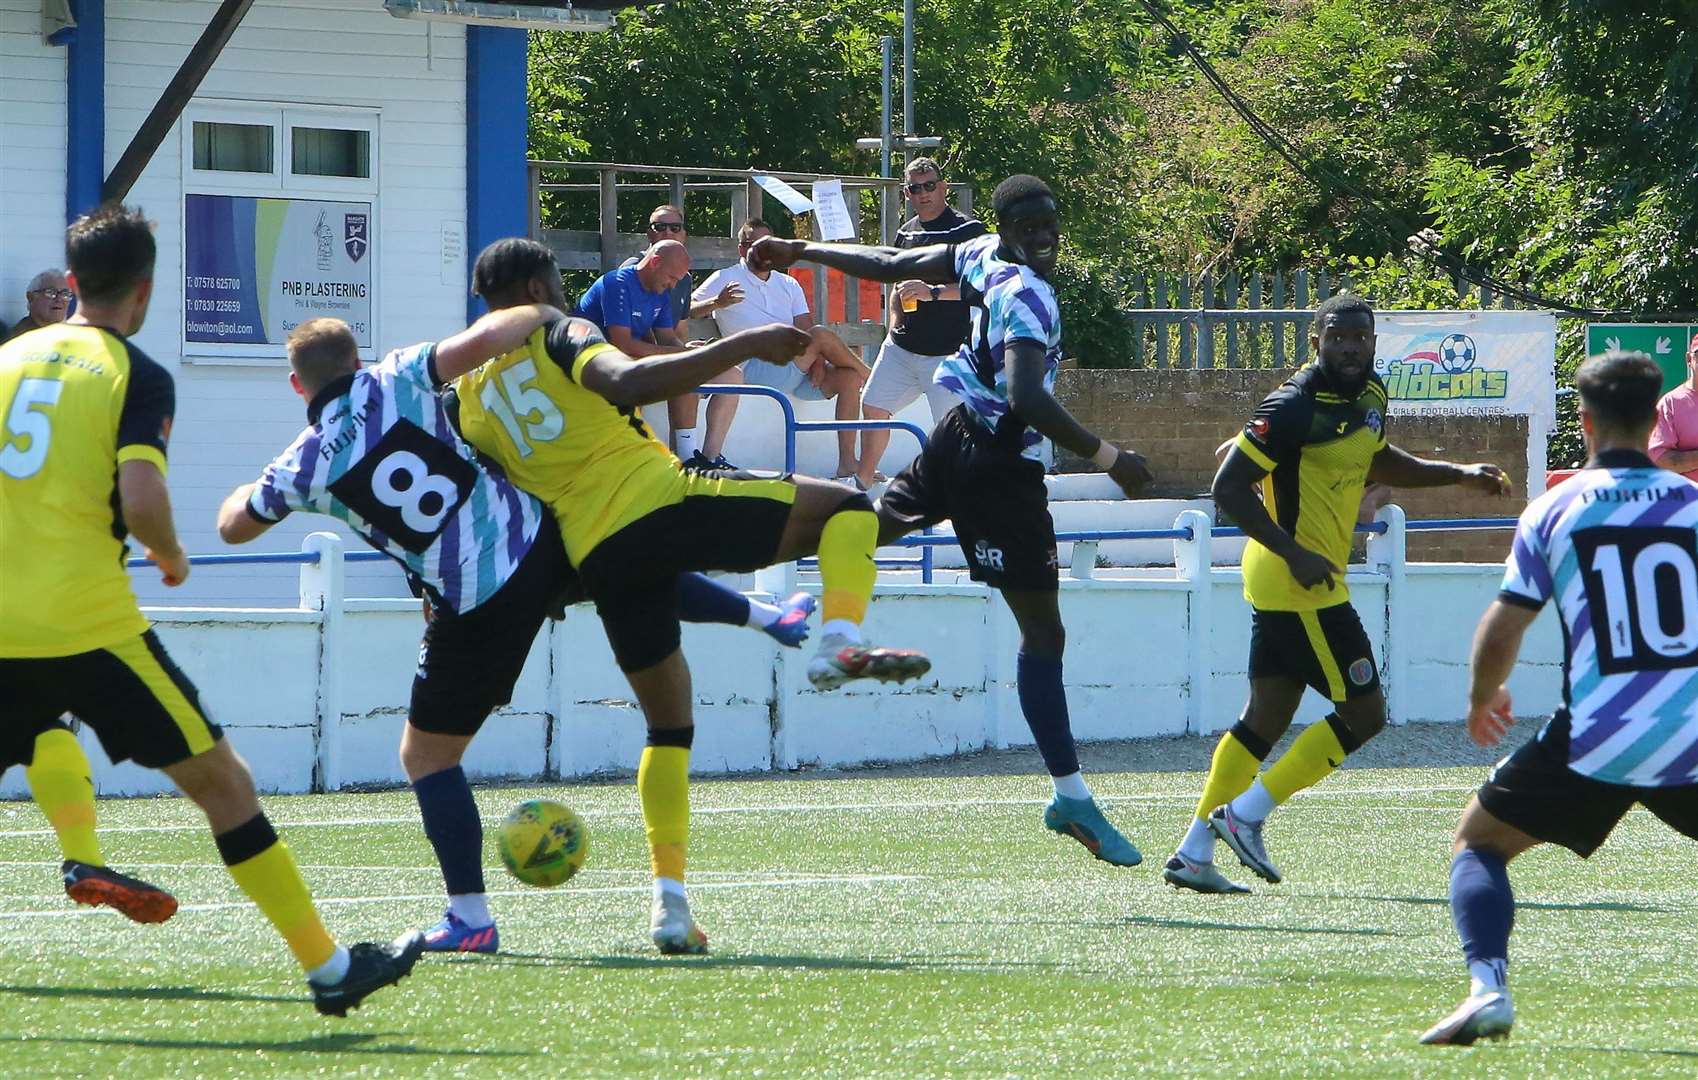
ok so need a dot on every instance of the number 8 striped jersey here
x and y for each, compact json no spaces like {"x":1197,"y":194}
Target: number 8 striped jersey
{"x":1616,"y":547}
{"x":382,"y":456}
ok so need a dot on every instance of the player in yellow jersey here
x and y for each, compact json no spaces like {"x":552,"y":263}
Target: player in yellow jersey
{"x":84,"y":420}
{"x":560,"y":417}
{"x":1309,"y":449}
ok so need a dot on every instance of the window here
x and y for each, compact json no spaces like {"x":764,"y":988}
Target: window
{"x":280,"y":224}
{"x":319,"y":151}
{"x":222,"y":147}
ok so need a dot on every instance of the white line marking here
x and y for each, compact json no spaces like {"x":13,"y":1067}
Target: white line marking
{"x":777,"y":808}
{"x":349,"y":901}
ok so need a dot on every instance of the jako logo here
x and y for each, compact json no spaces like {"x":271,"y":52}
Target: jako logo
{"x":986,"y":556}
{"x":1439,"y":367}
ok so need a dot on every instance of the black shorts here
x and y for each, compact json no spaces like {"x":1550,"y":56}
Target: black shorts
{"x":1325,"y":649}
{"x":1536,"y":791}
{"x":722,"y":523}
{"x":140,"y":704}
{"x":469,"y":662}
{"x":995,"y":498}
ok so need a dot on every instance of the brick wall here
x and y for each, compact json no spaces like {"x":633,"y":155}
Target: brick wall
{"x":1176,"y":418}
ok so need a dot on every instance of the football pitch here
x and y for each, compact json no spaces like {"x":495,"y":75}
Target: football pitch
{"x":897,"y":924}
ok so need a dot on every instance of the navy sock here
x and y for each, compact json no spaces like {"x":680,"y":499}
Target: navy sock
{"x":451,"y":823}
{"x":1044,"y":701}
{"x":1482,"y":905}
{"x":704,"y":600}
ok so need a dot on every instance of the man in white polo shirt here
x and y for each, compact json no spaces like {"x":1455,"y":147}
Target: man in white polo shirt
{"x":830,"y":370}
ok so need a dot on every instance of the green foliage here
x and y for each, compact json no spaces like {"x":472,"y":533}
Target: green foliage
{"x":1550,"y":142}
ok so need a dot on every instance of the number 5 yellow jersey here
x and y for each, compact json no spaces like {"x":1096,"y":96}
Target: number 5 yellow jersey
{"x":75,"y":401}
{"x":597,"y":465}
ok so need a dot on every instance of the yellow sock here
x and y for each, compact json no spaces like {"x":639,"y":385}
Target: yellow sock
{"x":1312,"y":757}
{"x":663,"y":785}
{"x":265,"y":870}
{"x":63,"y":786}
{"x":1232,"y":770}
{"x":847,"y":572}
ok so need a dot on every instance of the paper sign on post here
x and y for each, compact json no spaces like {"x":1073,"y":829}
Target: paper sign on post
{"x":793,"y":200}
{"x":832,"y":212}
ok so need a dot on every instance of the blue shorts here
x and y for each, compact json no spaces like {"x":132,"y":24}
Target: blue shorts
{"x":786,"y":378}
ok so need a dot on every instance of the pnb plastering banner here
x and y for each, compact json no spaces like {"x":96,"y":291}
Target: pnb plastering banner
{"x":256,"y":268}
{"x":1469,"y":362}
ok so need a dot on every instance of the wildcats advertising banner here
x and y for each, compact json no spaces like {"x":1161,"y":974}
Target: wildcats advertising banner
{"x":1469,"y":362}
{"x":256,"y":268}
{"x":1461,"y":363}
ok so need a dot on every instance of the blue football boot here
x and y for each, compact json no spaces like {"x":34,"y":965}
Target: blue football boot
{"x":791,"y":628}
{"x":1080,"y":819}
{"x":452,"y":935}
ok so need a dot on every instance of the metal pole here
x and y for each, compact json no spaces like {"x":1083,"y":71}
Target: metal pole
{"x":907,"y":69}
{"x":885,"y":47}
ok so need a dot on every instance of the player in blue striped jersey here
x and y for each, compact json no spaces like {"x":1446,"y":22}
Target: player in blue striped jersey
{"x":383,"y":455}
{"x":980,"y":469}
{"x":1615,"y":546}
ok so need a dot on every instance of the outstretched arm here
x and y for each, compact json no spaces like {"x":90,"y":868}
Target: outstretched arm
{"x":235,"y":524}
{"x":1399,"y":468}
{"x":629,"y":382}
{"x":934,"y":264}
{"x":1028,"y":397}
{"x":496,"y":333}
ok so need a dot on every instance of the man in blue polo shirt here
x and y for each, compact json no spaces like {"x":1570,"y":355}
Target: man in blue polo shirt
{"x":634,"y":308}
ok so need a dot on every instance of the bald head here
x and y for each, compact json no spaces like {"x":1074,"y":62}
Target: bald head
{"x":663,"y":265}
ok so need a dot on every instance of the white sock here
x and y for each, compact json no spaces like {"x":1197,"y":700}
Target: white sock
{"x":847,"y":629}
{"x":1255,"y":804}
{"x":1071,"y":786}
{"x":1199,"y":842}
{"x":332,"y":970}
{"x":686,"y":440}
{"x":664,"y":885}
{"x":1488,"y":976}
{"x":471,"y":909}
{"x":762,"y":614}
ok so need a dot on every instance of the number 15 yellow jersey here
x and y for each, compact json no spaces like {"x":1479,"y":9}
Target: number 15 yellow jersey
{"x":75,"y":401}
{"x":597,"y":465}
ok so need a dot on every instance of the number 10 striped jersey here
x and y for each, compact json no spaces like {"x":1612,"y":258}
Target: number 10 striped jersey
{"x":1616,"y":547}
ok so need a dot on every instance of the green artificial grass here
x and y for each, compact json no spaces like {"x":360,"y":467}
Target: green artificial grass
{"x":865,"y":926}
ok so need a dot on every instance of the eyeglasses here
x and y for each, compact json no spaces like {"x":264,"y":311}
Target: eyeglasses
{"x":666,"y":226}
{"x":923,"y":185}
{"x":52,"y":294}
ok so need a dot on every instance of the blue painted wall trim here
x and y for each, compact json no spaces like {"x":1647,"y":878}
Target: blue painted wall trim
{"x":496,"y":142}
{"x":85,"y":109}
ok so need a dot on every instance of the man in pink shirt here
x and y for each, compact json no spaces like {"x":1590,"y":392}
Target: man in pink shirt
{"x":1674,"y":441}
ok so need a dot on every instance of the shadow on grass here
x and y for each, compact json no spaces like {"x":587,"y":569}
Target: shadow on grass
{"x":1520,"y":905}
{"x":636,"y":962}
{"x":149,"y":993}
{"x":1198,"y":924}
{"x":1660,"y":1052}
{"x":351,"y":1042}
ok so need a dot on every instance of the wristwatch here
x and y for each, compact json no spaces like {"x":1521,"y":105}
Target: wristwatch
{"x":936,"y":292}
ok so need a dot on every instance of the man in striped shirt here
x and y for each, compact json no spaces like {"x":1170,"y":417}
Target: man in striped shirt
{"x":1615,"y":547}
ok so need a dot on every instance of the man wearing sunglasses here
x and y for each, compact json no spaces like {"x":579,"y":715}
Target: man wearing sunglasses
{"x":49,"y":300}
{"x":666,"y":222}
{"x":927,"y":322}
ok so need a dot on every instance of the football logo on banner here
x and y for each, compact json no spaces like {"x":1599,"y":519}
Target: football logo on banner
{"x":354,"y":239}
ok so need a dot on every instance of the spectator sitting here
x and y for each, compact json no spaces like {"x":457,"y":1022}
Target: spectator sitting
{"x":633,"y":307}
{"x":828,"y":370}
{"x":1674,"y":441}
{"x":927,"y":322}
{"x":49,"y":300}
{"x":666,"y":222}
